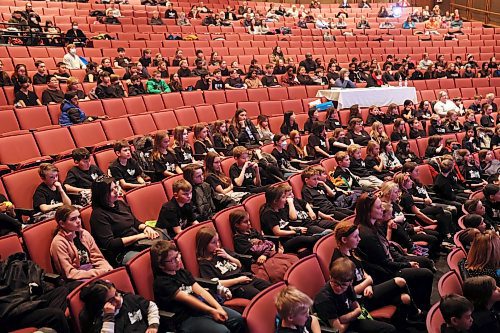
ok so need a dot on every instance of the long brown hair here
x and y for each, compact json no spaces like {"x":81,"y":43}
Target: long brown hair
{"x":158,"y":139}
{"x":225,"y":136}
{"x":178,"y":134}
{"x":203,"y":237}
{"x":484,"y":252}
{"x":210,"y":170}
{"x":299,"y":149}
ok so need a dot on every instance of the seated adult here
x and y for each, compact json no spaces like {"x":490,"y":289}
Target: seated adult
{"x":73,"y":250}
{"x":444,"y":104}
{"x":175,"y":290}
{"x":71,"y":58}
{"x":375,"y":79}
{"x":116,"y":230}
{"x":75,"y":35}
{"x":53,"y":94}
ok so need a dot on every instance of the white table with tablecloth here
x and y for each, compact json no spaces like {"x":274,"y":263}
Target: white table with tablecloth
{"x":366,"y":97}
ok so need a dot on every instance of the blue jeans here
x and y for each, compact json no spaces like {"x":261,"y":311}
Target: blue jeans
{"x":205,"y":324}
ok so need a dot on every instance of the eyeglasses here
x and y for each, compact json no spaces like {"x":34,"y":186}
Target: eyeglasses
{"x":174,"y":259}
{"x":341,"y":284}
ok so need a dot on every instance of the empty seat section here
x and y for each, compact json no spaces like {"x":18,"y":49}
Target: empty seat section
{"x":104,"y":158}
{"x":271,"y":108}
{"x":114,"y":107}
{"x":33,"y":117}
{"x":17,"y":148}
{"x":165,"y":120}
{"x":257,"y":95}
{"x":225,"y":111}
{"x":134,"y":105}
{"x":21,"y":186}
{"x":172,"y":100}
{"x":154,"y":195}
{"x":153,"y":103}
{"x":205,"y":113}
{"x":192,"y":98}
{"x":117,"y":129}
{"x":214,"y":96}
{"x":278,"y":94}
{"x":186,"y":116}
{"x":142,"y":124}
{"x":92,"y":108}
{"x":88,"y":135}
{"x":54,"y":141}
{"x":8,"y":121}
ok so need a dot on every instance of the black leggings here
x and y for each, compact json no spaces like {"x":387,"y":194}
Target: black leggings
{"x":295,"y":243}
{"x":431,"y":237}
{"x":419,"y":281}
{"x":249,"y":290}
{"x":443,"y":217}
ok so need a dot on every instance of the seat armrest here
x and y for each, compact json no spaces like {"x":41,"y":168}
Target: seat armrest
{"x":208,"y":284}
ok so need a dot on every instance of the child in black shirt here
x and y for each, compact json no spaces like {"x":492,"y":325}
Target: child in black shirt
{"x":457,"y":314}
{"x":215,"y":262}
{"x":492,"y":203}
{"x":293,"y":310}
{"x":293,"y":236}
{"x":243,"y":173}
{"x":165,"y":163}
{"x":182,"y":149}
{"x":358,"y":168}
{"x":125,"y":169}
{"x":336,"y":303}
{"x":49,"y":195}
{"x":175,"y":290}
{"x":315,"y":193}
{"x":177,"y":214}
{"x":81,"y":176}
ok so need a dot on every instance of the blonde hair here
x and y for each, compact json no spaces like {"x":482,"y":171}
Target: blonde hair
{"x":387,"y":188}
{"x":291,"y":301}
{"x":375,"y":135}
{"x":352,"y":149}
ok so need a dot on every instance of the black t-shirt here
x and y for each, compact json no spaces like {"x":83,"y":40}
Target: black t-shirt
{"x":128,"y":172}
{"x":330,"y":306}
{"x":361,"y":139}
{"x":219,"y":267}
{"x":234,"y":172}
{"x":236,"y":83}
{"x":339,"y":172}
{"x":282,"y":157}
{"x":317,"y":197}
{"x":269,"y":219}
{"x":172,"y":215}
{"x":371,"y":162}
{"x":40,"y":79}
{"x":29,"y":99}
{"x":166,"y":287}
{"x":299,"y":329}
{"x":218,"y":85}
{"x":215,"y":181}
{"x":202,"y":85}
{"x":269,"y":81}
{"x":358,"y":167}
{"x":203,"y":147}
{"x":359,"y":273}
{"x":300,"y":207}
{"x":171,"y":14}
{"x":44,"y":195}
{"x":184,"y":155}
{"x":407,"y":201}
{"x":83,"y":179}
{"x":166,"y":162}
{"x":316,"y":141}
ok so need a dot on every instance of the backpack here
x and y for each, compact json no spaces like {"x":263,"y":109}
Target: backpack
{"x":142,"y":154}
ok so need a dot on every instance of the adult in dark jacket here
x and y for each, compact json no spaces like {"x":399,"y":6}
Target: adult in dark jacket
{"x":308,"y":63}
{"x":384,"y":263}
{"x":76,"y":35}
{"x":375,"y":79}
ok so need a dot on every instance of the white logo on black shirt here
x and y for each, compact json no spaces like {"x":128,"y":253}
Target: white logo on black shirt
{"x":131,"y":172}
{"x":186,"y":289}
{"x":248,"y":175}
{"x":225,"y":266}
{"x":135,"y":316}
{"x":283,"y":223}
{"x":94,"y":176}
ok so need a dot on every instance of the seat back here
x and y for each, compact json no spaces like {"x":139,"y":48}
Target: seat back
{"x":260,"y":314}
{"x":167,"y":185}
{"x":306,"y":275}
{"x":186,"y":243}
{"x":434,"y":319}
{"x":9,"y":244}
{"x":141,"y":274}
{"x":104,"y":158}
{"x":449,"y":283}
{"x":223,"y":226}
{"x":324,"y":251}
{"x":54,"y":141}
{"x":19,"y":184}
{"x":37,"y":239}
{"x":11,"y":156}
{"x":297,"y":184}
{"x":85,"y":214}
{"x":454,"y":258}
{"x":118,"y":277}
{"x":145,"y":202}
{"x":253,"y":205}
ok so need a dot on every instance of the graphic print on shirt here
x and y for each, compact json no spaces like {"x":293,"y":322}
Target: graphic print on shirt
{"x":94,"y":176}
{"x":283,"y":223}
{"x":135,"y":316}
{"x":225,"y":266}
{"x":187,"y":289}
{"x":131,"y":172}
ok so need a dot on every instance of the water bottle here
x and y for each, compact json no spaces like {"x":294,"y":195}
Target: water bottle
{"x":406,"y":82}
{"x":400,"y":81}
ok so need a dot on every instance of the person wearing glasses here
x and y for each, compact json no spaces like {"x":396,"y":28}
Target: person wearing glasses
{"x":108,"y":310}
{"x":194,"y":308}
{"x":337,"y":304}
{"x":393,"y":291}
